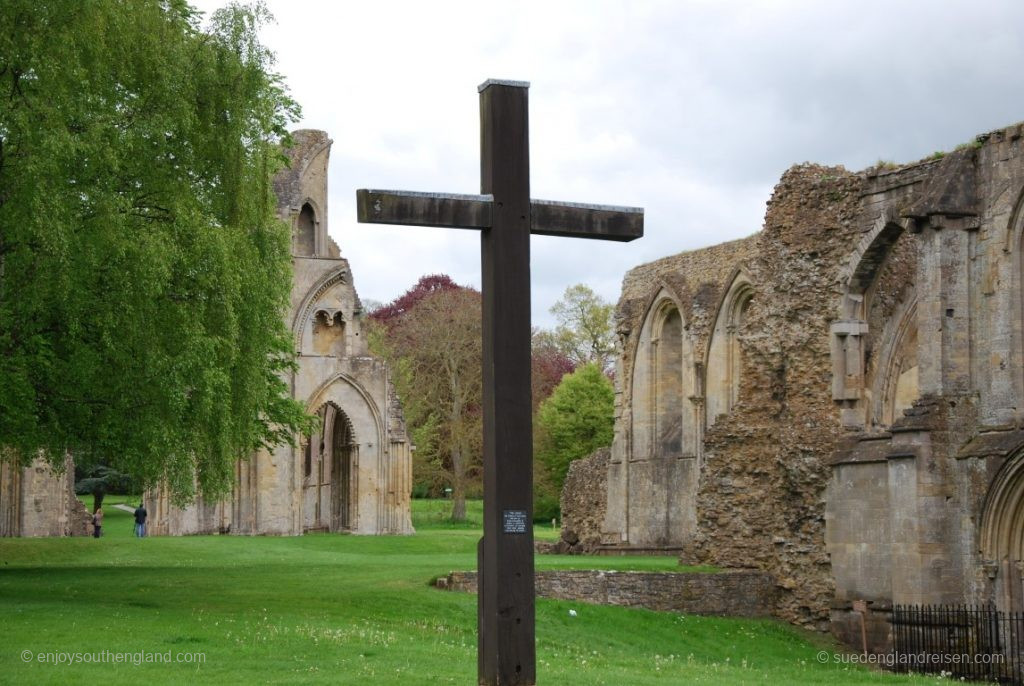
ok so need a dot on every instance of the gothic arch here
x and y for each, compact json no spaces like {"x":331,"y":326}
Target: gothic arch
{"x":894,"y":384}
{"x":345,"y":392}
{"x":306,"y":231}
{"x":664,"y":422}
{"x":662,"y":290}
{"x":1001,"y":533}
{"x":723,"y":365}
{"x":307,"y":308}
{"x":357,"y":468}
{"x":848,"y":333}
{"x":331,"y":457}
{"x":1002,"y":520}
{"x":867,"y":261}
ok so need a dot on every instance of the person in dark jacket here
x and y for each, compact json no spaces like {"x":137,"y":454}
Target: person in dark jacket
{"x":140,"y":521}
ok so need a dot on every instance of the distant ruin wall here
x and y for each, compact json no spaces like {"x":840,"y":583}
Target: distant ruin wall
{"x":40,"y":501}
{"x":730,"y":594}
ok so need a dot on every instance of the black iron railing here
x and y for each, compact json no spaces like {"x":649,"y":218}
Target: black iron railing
{"x":975,"y":642}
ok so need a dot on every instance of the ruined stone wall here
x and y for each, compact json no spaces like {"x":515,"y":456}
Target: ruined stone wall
{"x":767,"y":462}
{"x":758,"y":502}
{"x":583,"y":502}
{"x":915,"y":500}
{"x":864,"y":457}
{"x":40,"y":501}
{"x":650,"y":495}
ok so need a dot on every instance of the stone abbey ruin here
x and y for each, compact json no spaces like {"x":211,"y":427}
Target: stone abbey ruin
{"x":836,"y":401}
{"x":354,"y":475}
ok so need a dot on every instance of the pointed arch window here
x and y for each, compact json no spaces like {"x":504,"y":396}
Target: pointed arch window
{"x":668,"y":385}
{"x":664,"y":421}
{"x":724,"y":368}
{"x":305,"y":232}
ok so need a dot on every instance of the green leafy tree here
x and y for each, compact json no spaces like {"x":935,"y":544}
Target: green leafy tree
{"x":585,"y":331}
{"x":577,"y":419}
{"x":99,"y":480}
{"x":143,"y":272}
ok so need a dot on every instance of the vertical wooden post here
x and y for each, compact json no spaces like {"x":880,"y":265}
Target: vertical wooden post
{"x":506,"y":631}
{"x":506,"y":653}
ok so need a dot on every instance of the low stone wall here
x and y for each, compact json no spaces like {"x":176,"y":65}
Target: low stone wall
{"x":731,"y":594}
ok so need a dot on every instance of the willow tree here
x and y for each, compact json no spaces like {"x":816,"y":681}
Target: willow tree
{"x":143,"y":273}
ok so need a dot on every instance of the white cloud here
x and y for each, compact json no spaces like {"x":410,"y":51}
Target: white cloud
{"x":690,"y":109}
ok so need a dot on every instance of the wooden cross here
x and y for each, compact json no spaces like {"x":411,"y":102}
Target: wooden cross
{"x":505,"y":216}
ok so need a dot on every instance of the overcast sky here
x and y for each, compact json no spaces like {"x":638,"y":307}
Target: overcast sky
{"x":691,"y":110}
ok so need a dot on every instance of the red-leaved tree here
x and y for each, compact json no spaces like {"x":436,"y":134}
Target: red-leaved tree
{"x":431,"y":337}
{"x":431,"y":283}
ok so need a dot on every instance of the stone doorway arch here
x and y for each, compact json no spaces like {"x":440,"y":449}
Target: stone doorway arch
{"x":329,"y":483}
{"x":1002,"y":533}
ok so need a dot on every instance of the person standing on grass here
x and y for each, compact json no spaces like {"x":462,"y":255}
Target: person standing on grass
{"x":140,"y":521}
{"x":97,"y":522}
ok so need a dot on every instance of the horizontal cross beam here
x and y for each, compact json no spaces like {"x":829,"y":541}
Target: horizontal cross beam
{"x":578,"y":220}
{"x":424,"y":209}
{"x":547,"y":218}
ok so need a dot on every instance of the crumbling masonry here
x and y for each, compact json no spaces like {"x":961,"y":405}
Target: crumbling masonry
{"x":837,"y":400}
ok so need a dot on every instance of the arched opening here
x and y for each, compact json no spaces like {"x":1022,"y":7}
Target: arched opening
{"x":906,"y":379}
{"x":329,"y":485}
{"x":1002,"y":533}
{"x":305,"y":232}
{"x":883,"y":269}
{"x":663,"y":418}
{"x":897,"y":376}
{"x":341,"y":474}
{"x":724,"y":368}
{"x":663,"y":469}
{"x":668,"y":386}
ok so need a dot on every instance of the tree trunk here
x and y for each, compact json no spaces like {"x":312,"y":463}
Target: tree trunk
{"x":458,"y":487}
{"x":458,"y":467}
{"x":97,"y":500}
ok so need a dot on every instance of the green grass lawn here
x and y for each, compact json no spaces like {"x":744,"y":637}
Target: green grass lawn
{"x":348,"y":610}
